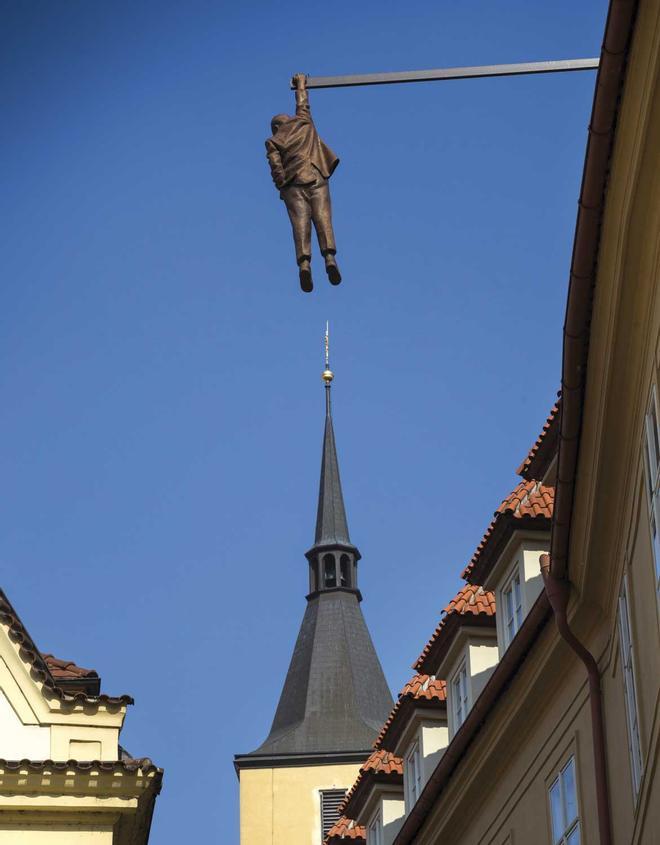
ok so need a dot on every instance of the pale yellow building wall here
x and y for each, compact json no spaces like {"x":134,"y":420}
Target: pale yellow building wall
{"x":544,"y":716}
{"x":434,"y":740}
{"x":393,"y":812}
{"x":282,"y":806}
{"x":483,"y":656}
{"x":36,"y":726}
{"x":55,"y":834}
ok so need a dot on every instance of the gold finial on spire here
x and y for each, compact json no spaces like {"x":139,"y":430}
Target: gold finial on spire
{"x":327,"y":375}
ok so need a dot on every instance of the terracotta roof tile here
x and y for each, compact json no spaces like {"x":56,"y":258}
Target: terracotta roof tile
{"x":40,"y":667}
{"x":530,"y":504}
{"x":66,"y":669}
{"x":471,"y":605}
{"x":346,"y":829}
{"x":419,"y":689}
{"x":381,"y":766}
{"x":542,"y":452}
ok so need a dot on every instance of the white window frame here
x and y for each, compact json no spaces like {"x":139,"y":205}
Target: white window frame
{"x":413,"y":774}
{"x":630,"y":688}
{"x":652,"y":474}
{"x":375,"y":829}
{"x":459,"y":696}
{"x":517,"y":609}
{"x":567,"y":826}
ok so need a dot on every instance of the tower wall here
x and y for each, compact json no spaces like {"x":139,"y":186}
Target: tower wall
{"x":282,"y":806}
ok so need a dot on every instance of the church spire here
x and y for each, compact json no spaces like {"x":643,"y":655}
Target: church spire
{"x":331,"y":525}
{"x":335,"y":696}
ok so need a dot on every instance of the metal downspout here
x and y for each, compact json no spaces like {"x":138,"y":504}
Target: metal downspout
{"x":558,"y":591}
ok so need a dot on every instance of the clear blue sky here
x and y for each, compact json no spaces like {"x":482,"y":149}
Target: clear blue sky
{"x":162,"y":407}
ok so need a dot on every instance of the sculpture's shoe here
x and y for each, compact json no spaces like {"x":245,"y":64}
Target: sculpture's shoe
{"x":305,"y":275}
{"x":332,"y":270}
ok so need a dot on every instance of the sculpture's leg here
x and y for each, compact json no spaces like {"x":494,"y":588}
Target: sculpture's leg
{"x":322,"y":217}
{"x":300,"y":215}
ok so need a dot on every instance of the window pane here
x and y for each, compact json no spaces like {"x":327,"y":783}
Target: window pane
{"x":570,"y":798}
{"x":654,"y":431}
{"x":516,"y":590}
{"x":649,"y":474}
{"x":508,"y":605}
{"x":656,"y":534}
{"x":556,"y":812}
{"x":630,"y":693}
{"x":574,"y":836}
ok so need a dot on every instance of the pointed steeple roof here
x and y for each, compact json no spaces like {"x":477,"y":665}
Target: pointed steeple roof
{"x":335,"y":696}
{"x":331,"y":524}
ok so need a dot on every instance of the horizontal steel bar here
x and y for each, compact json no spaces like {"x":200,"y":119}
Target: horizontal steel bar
{"x":451,"y":73}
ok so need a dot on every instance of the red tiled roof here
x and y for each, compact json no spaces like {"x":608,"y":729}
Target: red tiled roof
{"x":383,"y":761}
{"x":40,"y":668}
{"x":380,"y":765}
{"x":66,"y":669}
{"x":419,"y":689}
{"x":471,"y":605}
{"x":530,"y":505}
{"x":542,"y":452}
{"x":346,"y":829}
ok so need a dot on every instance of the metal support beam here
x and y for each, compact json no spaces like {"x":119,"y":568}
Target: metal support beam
{"x":561,"y":66}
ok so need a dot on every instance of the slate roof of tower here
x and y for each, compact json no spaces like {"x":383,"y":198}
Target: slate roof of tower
{"x":331,"y":523}
{"x":335,"y":697}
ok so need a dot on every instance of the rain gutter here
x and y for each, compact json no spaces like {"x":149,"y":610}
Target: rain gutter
{"x":609,"y":83}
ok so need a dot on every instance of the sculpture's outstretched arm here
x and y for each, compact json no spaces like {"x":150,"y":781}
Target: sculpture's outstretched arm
{"x":302,"y":98}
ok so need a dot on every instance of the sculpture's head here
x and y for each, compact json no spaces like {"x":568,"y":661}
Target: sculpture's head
{"x":277,"y":121}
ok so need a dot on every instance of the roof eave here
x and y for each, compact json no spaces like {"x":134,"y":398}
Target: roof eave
{"x":478,"y":715}
{"x":503,"y":530}
{"x":609,"y":82}
{"x":427,"y":663}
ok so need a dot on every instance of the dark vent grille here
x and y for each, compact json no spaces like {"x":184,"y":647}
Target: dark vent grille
{"x":330,"y":801}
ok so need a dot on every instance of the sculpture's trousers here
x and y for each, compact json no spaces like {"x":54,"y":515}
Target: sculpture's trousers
{"x":307,"y":203}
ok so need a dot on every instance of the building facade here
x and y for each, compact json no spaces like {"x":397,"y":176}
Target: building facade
{"x":534,"y":716}
{"x":64,"y":778}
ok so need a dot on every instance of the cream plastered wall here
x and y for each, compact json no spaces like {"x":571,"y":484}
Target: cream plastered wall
{"x":19,"y":741}
{"x":393,"y":812}
{"x":483,"y":656}
{"x":282,"y":806}
{"x":55,"y":834}
{"x":434,"y":740}
{"x":36,"y":725}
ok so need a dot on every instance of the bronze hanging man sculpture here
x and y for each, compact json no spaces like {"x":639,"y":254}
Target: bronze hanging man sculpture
{"x":301,"y":164}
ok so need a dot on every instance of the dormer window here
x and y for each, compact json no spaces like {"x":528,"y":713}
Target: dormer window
{"x":329,"y":571}
{"x":512,"y":606}
{"x":459,"y":696}
{"x":413,"y":775}
{"x":375,"y":830}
